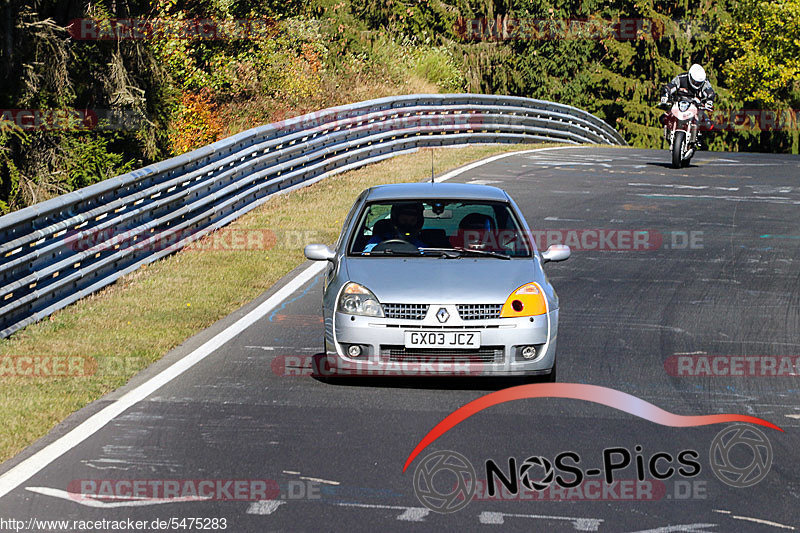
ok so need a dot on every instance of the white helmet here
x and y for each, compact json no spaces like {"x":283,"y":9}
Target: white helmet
{"x":697,"y":76}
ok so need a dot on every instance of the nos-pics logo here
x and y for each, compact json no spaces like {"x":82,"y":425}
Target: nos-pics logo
{"x":740,"y":456}
{"x":445,"y":481}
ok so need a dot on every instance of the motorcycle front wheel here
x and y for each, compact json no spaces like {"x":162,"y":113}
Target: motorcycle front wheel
{"x":678,"y":138}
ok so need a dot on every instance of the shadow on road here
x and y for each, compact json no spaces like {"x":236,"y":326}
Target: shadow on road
{"x":669,"y":165}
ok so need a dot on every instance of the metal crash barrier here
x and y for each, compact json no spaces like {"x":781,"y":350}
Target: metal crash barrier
{"x":60,"y":250}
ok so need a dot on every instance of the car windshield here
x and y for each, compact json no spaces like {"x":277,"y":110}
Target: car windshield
{"x":441,"y":228}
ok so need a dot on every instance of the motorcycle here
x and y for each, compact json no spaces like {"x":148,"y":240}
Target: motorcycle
{"x":680,"y":129}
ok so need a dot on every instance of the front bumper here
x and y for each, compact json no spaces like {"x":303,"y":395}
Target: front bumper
{"x":383,"y":351}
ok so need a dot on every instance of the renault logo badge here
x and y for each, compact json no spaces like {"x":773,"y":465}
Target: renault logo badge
{"x":442,"y":315}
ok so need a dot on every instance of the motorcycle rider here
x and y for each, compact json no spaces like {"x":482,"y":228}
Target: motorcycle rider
{"x":693,"y":83}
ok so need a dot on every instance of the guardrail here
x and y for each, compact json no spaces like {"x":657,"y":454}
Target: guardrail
{"x":58,"y":251}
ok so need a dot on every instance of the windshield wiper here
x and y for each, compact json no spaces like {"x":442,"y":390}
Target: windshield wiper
{"x":482,"y":252}
{"x":448,"y":252}
{"x":420,"y":251}
{"x":389,"y":251}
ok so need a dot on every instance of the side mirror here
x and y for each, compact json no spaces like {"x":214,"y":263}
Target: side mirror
{"x":556,"y":252}
{"x":319,"y":252}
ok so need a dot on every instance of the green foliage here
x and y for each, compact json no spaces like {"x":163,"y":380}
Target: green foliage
{"x":10,"y":135}
{"x":44,"y":70}
{"x":619,"y":79}
{"x":318,"y":53}
{"x":762,"y":44}
{"x":88,"y":159}
{"x":438,"y":66}
{"x":10,"y":185}
{"x":399,"y":60}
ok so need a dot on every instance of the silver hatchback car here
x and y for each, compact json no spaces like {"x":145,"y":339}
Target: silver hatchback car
{"x":438,"y":279}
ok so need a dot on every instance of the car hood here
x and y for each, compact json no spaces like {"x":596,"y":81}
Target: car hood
{"x":446,"y":281}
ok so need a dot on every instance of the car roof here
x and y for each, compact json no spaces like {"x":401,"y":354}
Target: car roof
{"x":438,"y":191}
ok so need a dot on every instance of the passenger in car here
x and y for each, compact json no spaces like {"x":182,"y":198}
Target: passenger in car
{"x":473,"y":229}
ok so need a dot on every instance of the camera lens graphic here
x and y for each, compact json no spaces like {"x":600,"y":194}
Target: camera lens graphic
{"x":740,"y":456}
{"x":536,"y":462}
{"x":456,"y":484}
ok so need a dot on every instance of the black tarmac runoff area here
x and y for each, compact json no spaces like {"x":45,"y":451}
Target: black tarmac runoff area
{"x":701,"y":317}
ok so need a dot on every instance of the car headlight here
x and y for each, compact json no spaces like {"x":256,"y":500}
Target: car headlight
{"x":355,"y":299}
{"x":528,"y":300}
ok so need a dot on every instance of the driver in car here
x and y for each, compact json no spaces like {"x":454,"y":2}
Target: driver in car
{"x":406,"y":223}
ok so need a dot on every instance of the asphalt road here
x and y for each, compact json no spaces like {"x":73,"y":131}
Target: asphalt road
{"x":721,"y":280}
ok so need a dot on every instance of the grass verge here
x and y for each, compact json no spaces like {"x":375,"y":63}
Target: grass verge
{"x":134,"y":322}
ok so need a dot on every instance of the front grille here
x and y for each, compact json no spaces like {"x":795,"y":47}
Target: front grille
{"x":427,"y":327}
{"x":405,"y":311}
{"x":400,"y":354}
{"x":479,"y":311}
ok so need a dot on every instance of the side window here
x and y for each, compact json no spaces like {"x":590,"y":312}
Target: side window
{"x":375,"y":213}
{"x":364,"y":224}
{"x":349,"y":217}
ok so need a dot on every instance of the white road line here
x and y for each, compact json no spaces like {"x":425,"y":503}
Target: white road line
{"x":760,"y":199}
{"x":793,"y":416}
{"x":409,"y":514}
{"x":679,"y":186}
{"x":756,"y":520}
{"x":33,"y":464}
{"x":560,"y":163}
{"x":764,"y":522}
{"x":476,"y":164}
{"x":320,"y":480}
{"x":316,"y":479}
{"x":414,"y":514}
{"x":264,"y":506}
{"x":273,"y":348}
{"x":695,"y":528}
{"x":580,"y":524}
{"x":87,"y":501}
